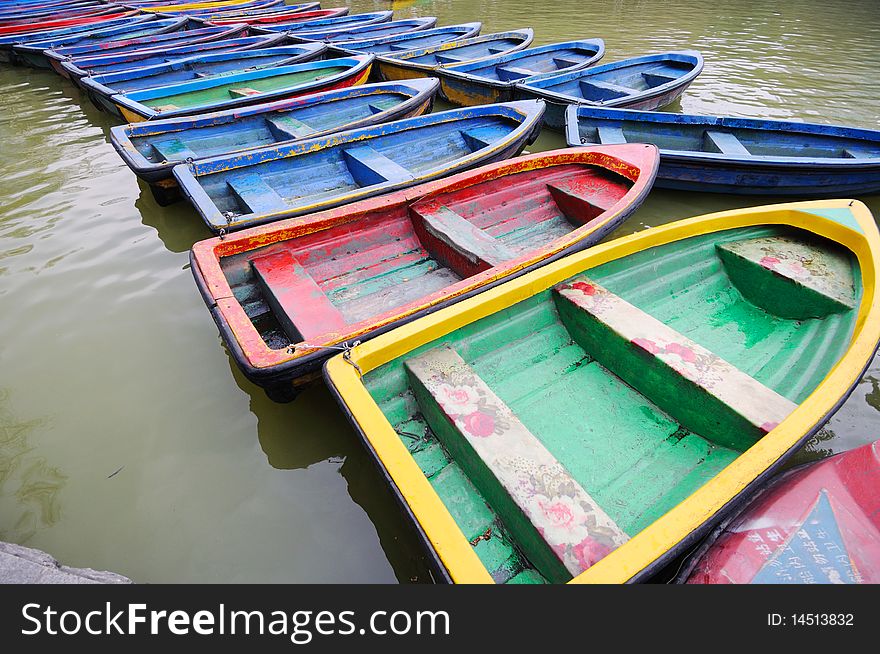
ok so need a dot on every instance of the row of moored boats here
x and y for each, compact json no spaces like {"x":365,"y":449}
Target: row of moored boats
{"x":545,"y":406}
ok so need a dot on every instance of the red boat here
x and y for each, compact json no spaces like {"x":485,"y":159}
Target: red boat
{"x":287,"y":17}
{"x":36,"y":17}
{"x":819,"y":524}
{"x":55,"y":24}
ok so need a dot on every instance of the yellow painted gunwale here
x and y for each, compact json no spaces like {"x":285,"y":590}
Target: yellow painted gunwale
{"x":666,"y":532}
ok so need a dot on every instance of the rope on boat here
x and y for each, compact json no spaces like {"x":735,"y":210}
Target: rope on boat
{"x":344,"y":347}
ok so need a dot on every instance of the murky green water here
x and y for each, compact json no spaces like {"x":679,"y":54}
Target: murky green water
{"x":129,"y":441}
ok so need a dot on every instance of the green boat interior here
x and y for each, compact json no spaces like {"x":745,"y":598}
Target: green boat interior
{"x":556,"y":429}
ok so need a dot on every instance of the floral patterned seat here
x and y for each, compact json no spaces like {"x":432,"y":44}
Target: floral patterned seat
{"x":711,"y":396}
{"x":559,"y":525}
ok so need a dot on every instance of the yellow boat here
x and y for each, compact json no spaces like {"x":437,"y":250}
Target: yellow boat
{"x":589,"y":421}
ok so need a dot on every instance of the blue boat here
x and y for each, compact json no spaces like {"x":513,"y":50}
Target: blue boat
{"x":425,"y":62}
{"x":648,"y":82}
{"x":153,"y":148}
{"x":8,"y":43}
{"x":78,"y":67}
{"x":740,"y":155}
{"x":260,"y":186}
{"x":411,"y":40}
{"x":242,"y":89}
{"x":492,"y":80}
{"x":323,"y":24}
{"x":102,"y":88}
{"x":372,"y":31}
{"x":199,"y":34}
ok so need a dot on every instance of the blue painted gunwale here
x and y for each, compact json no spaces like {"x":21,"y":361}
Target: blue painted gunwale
{"x":126,"y":138}
{"x":105,"y":64}
{"x":199,"y":34}
{"x":547,"y":87}
{"x":102,"y":87}
{"x":373,"y":30}
{"x":8,"y":43}
{"x":59,"y":13}
{"x":404,"y":42}
{"x":426,"y":61}
{"x":523,"y":117}
{"x":17,"y":11}
{"x":338,"y":22}
{"x":482,"y":80}
{"x":131,"y":101}
{"x":745,"y":173}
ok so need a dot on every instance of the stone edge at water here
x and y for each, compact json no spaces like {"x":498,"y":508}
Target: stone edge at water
{"x":24,"y":565}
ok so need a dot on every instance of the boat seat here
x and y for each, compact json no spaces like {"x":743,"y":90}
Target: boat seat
{"x":367,"y":166}
{"x":243,"y":92}
{"x":858,"y":153}
{"x":378,"y":106}
{"x":447,"y":59}
{"x":511,"y":467}
{"x":562,"y":63}
{"x":610,"y":134}
{"x":301,"y":307}
{"x":511,"y":73}
{"x":789,"y":277}
{"x":455,"y":241}
{"x":580,"y":207}
{"x":255,"y":195}
{"x":600,"y":91}
{"x":703,"y":392}
{"x":724,"y":143}
{"x":479,"y":137}
{"x":288,"y":128}
{"x":656,"y":79}
{"x":166,"y":107}
{"x":400,"y":47}
{"x":173,"y":150}
{"x":495,"y":49}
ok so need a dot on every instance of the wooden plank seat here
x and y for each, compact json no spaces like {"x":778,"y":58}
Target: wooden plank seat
{"x":610,"y":134}
{"x":522,"y":481}
{"x":789,"y":277}
{"x":656,"y":79}
{"x":479,"y":137}
{"x":577,"y":205}
{"x":455,"y":241}
{"x":255,"y":195}
{"x":286,"y":128}
{"x":598,"y":91}
{"x":378,"y":106}
{"x":447,"y":59}
{"x":301,"y":307}
{"x":724,"y":143}
{"x":367,"y":166}
{"x":703,"y":392}
{"x":173,"y":150}
{"x":854,"y":152}
{"x":562,"y":62}
{"x":511,"y":73}
{"x":243,"y":92}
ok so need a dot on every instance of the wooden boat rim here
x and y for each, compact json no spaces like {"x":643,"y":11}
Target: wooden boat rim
{"x":655,"y":542}
{"x":403,"y":58}
{"x":445,"y":29}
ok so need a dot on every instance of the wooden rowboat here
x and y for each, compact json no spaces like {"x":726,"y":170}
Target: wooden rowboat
{"x":243,"y":89}
{"x":46,"y":25}
{"x":593,"y":419}
{"x":78,"y":67}
{"x":29,"y":18}
{"x":354,"y":272}
{"x":102,"y":88}
{"x":411,"y":40}
{"x":267,"y":20}
{"x":151,"y":149}
{"x":492,"y":80}
{"x":374,"y":30}
{"x":425,"y":62}
{"x":243,"y":190}
{"x":740,"y":155}
{"x":819,"y":524}
{"x":33,"y":53}
{"x":267,"y":10}
{"x":342,"y":22}
{"x":648,"y":82}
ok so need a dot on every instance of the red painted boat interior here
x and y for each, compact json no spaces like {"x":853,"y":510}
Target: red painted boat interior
{"x":321,"y":282}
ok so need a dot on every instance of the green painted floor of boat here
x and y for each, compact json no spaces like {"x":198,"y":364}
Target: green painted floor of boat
{"x":221,"y":92}
{"x":633,"y":458}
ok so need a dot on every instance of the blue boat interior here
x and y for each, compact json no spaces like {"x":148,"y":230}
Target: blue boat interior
{"x":286,"y":182}
{"x":415,"y":40}
{"x":169,"y":39}
{"x":717,"y":138}
{"x":379,"y":30}
{"x":337,"y":23}
{"x":127,"y":31}
{"x":466,"y":50}
{"x":617,"y":81}
{"x":533,"y":61}
{"x":263,"y":129}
